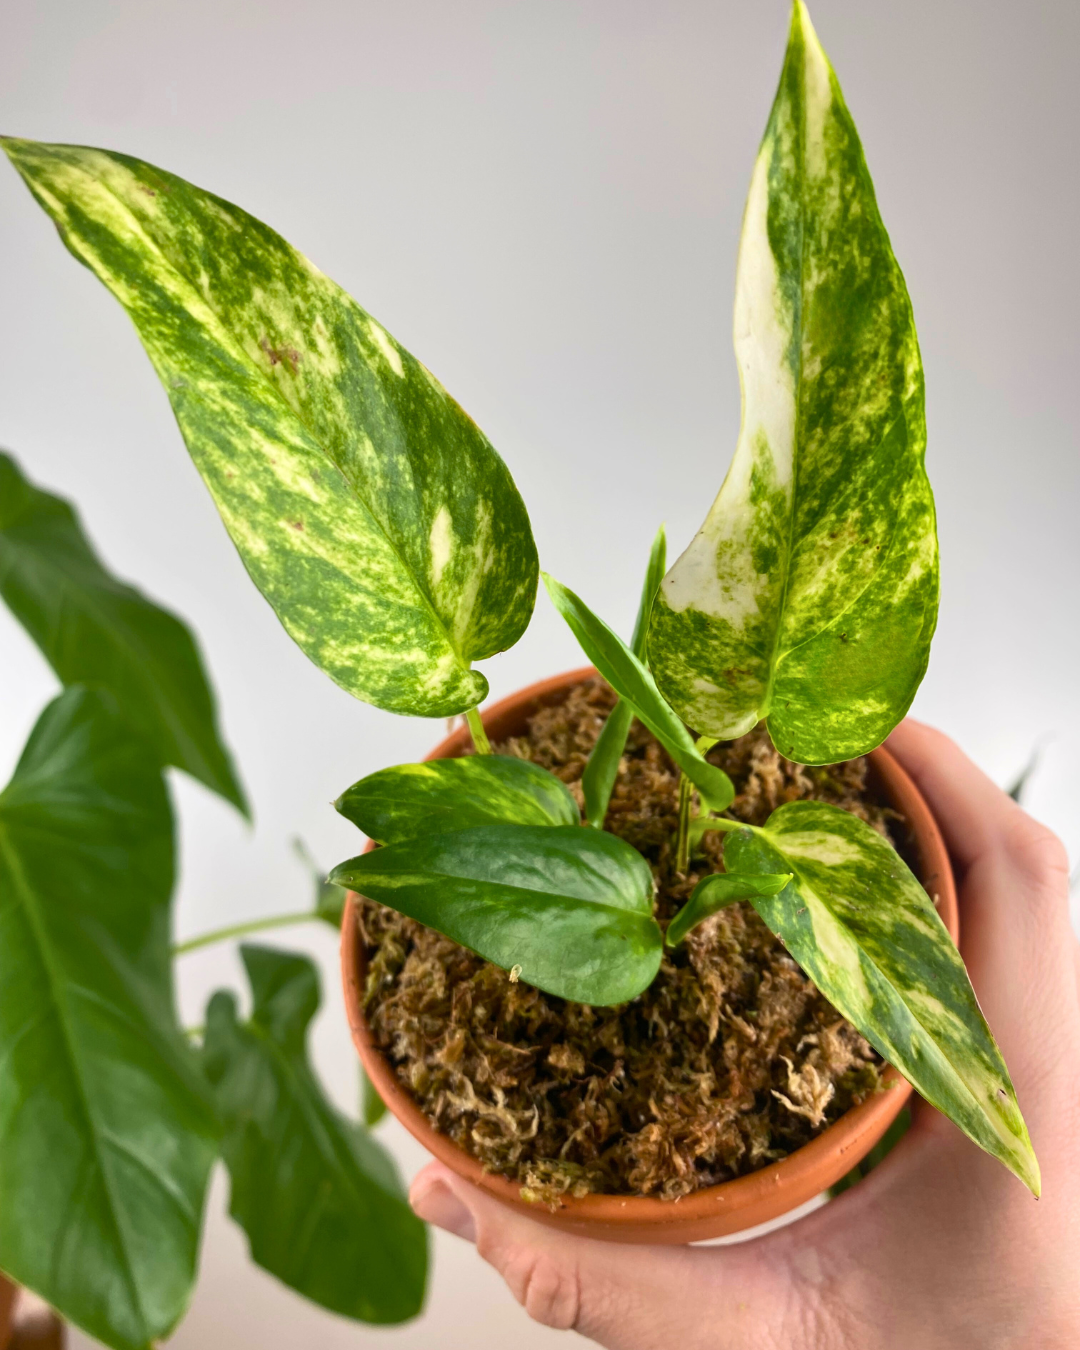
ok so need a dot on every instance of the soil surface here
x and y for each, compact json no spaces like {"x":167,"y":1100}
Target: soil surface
{"x":729,"y":1061}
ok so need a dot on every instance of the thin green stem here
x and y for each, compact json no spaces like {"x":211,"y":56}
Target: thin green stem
{"x":479,"y":735}
{"x":682,"y":847}
{"x":240,"y":929}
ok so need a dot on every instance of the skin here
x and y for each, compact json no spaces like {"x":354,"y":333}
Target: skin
{"x":940,"y":1246}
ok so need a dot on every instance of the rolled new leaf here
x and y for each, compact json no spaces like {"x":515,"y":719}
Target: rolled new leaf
{"x":865,"y":931}
{"x":456,"y":794}
{"x":367,"y":506}
{"x":93,"y":629}
{"x":566,"y":909}
{"x":809,"y":596}
{"x":107,"y":1134}
{"x":633,"y":683}
{"x":602,"y":767}
{"x":320,"y":1200}
{"x":716,"y":892}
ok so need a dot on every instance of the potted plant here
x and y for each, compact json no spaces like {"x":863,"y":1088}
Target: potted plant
{"x":389,"y":537}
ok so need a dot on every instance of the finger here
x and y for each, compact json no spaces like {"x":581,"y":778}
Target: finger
{"x":971,"y":810}
{"x":624,"y":1297}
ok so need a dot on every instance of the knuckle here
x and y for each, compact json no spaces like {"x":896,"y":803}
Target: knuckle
{"x":1037,"y":852}
{"x":546,"y":1288}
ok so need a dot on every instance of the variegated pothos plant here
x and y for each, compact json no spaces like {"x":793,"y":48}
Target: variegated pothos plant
{"x":389,"y":537}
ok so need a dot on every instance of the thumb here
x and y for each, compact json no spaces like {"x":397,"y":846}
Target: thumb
{"x":624,"y":1297}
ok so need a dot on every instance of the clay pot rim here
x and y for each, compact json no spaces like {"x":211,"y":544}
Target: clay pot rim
{"x":730,"y":1206}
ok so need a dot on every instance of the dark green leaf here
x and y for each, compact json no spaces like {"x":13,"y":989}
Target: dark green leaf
{"x":566,"y":909}
{"x":372,"y":1106}
{"x":106,"y":1137}
{"x":455,"y":794}
{"x":95,"y":630}
{"x":318,"y":1198}
{"x":602,"y":767}
{"x":716,"y":892}
{"x":369,"y":509}
{"x":633,"y":683}
{"x":866,"y":933}
{"x":809,"y":596}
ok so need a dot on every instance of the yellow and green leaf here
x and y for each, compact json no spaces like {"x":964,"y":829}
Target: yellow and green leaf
{"x":809,"y":596}
{"x":865,"y":931}
{"x":368,"y":508}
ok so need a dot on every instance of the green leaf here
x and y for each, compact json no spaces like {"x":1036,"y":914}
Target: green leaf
{"x":602,"y":767}
{"x":716,"y":892}
{"x":319,"y":1199}
{"x":372,"y":1106}
{"x":455,"y":794}
{"x":565,"y":909}
{"x":866,"y":933}
{"x":368,"y":508}
{"x":633,"y":683}
{"x":329,"y":899}
{"x":809,"y":596}
{"x":95,"y":630}
{"x":106,"y":1136}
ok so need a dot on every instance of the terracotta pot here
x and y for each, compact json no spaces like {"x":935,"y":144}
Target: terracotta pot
{"x":716,"y":1210}
{"x":7,"y":1305}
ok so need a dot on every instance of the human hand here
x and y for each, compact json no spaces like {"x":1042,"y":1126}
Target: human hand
{"x":939,"y":1246}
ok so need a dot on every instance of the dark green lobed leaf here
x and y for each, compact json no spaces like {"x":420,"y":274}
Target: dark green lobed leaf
{"x":95,"y":630}
{"x":866,"y":933}
{"x":106,"y":1134}
{"x":809,"y":596}
{"x":602,"y":767}
{"x":634,"y":685}
{"x":366,"y":505}
{"x":568,"y":909}
{"x":456,"y":794}
{"x":319,"y":1199}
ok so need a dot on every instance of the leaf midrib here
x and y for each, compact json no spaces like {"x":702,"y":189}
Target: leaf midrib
{"x":9,"y":852}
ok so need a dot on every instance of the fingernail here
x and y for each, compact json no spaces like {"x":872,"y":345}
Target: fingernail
{"x":436,"y":1203}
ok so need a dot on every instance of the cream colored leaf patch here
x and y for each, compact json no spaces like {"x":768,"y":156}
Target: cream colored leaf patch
{"x":809,"y":596}
{"x":867,"y":934}
{"x":368,"y":508}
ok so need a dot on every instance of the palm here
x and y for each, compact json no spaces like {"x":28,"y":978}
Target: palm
{"x":939,"y":1246}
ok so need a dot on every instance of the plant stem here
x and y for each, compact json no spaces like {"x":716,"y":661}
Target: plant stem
{"x":682,"y":848}
{"x":239,"y":930}
{"x":479,"y":736}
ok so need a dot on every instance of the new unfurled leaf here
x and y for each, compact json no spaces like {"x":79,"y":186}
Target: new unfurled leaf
{"x":633,"y":683}
{"x":319,"y":1199}
{"x":865,"y":931}
{"x":95,"y":630}
{"x":809,"y":596}
{"x":715,"y":892}
{"x":456,"y":794}
{"x":602,"y":767}
{"x":106,"y":1133}
{"x":568,"y":909}
{"x":368,"y":508}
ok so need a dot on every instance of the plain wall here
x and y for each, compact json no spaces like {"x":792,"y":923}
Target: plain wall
{"x":542,"y":201}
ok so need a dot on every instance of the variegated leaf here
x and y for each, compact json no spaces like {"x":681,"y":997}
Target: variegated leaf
{"x":368,"y":508}
{"x":864,"y":930}
{"x":809,"y":596}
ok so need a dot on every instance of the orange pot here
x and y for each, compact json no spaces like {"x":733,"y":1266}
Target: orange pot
{"x":716,"y":1210}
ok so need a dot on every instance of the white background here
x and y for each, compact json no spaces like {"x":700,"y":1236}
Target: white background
{"x":542,"y":201}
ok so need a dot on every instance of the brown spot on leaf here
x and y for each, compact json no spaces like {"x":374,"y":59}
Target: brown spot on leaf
{"x":277,"y":355}
{"x":297,"y":524}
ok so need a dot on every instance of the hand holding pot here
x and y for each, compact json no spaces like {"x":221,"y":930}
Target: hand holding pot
{"x":939,"y":1246}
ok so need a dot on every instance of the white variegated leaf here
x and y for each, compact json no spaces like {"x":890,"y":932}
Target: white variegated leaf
{"x":369,"y":509}
{"x":809,"y":596}
{"x":865,"y":931}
